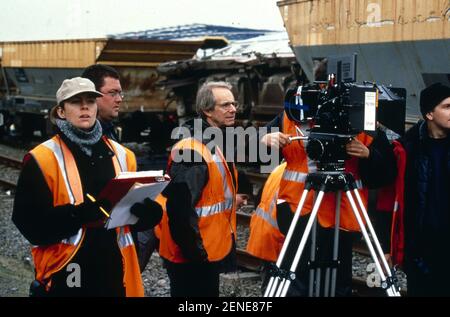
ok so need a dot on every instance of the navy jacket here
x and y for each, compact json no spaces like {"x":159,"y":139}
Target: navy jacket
{"x":417,"y":183}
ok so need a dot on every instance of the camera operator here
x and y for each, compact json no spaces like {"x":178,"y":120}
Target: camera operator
{"x":371,"y":162}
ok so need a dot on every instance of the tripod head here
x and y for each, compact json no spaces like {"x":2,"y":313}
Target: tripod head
{"x":330,"y":181}
{"x":328,"y":150}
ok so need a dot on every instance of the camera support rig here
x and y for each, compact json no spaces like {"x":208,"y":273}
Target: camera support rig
{"x":329,"y":182}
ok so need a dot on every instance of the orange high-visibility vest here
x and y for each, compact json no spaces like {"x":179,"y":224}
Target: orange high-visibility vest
{"x":61,"y":175}
{"x":293,"y":182}
{"x":266,"y":240}
{"x":216,"y":208}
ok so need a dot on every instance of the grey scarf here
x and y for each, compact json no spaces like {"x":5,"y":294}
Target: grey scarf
{"x":84,"y":139}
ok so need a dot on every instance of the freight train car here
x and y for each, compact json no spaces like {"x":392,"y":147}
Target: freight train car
{"x":31,"y":72}
{"x":259,"y":69}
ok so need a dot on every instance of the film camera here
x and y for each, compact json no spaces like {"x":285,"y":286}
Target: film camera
{"x":338,"y":109}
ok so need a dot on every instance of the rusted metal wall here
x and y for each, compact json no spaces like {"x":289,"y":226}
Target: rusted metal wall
{"x":146,"y":52}
{"x":140,"y":90}
{"x":329,"y":22}
{"x":405,"y":43}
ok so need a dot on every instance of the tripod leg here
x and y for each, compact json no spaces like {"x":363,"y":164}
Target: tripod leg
{"x":375,"y":239}
{"x":337,"y":224}
{"x":273,"y":281}
{"x":318,"y":281}
{"x":304,"y":237}
{"x":315,"y":280}
{"x":312,"y":271}
{"x":368,"y":241}
{"x":326,"y":292}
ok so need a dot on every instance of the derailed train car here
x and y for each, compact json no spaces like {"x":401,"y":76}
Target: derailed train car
{"x":31,"y":72}
{"x":260,"y":71}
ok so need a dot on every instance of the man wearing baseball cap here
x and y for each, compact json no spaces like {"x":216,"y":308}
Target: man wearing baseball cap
{"x":427,"y":196}
{"x":74,"y":255}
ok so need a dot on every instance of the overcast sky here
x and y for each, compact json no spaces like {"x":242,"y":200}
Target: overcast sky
{"x":69,"y":19}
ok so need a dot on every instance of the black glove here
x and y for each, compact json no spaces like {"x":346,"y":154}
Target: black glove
{"x":284,"y":217}
{"x":149,"y":213}
{"x":195,"y":255}
{"x":90,"y":211}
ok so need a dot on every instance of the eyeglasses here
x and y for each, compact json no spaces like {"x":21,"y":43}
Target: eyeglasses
{"x":228,"y":104}
{"x":114,"y":94}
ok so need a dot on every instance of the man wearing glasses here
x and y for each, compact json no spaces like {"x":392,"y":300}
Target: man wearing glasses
{"x":198,"y":229}
{"x":107,"y":81}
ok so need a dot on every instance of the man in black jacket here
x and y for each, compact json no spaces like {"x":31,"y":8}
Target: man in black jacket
{"x":427,"y":205}
{"x":193,"y":272}
{"x":106,"y":80}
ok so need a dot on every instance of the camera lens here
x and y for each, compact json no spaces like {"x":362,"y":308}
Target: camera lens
{"x":315,"y":149}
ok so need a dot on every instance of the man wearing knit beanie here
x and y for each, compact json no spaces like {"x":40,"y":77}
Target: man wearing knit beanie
{"x":426,"y":196}
{"x":432,"y":96}
{"x":435,"y":109}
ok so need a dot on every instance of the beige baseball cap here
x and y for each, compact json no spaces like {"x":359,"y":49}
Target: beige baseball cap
{"x":70,"y":88}
{"x":75,"y":86}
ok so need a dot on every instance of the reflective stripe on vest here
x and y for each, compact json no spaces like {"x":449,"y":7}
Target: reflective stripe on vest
{"x":206,"y":211}
{"x":64,"y":157}
{"x":265,"y":239}
{"x":124,"y":239}
{"x":216,"y":207}
{"x":294,"y":176}
{"x":121,"y":155}
{"x":266,"y":215}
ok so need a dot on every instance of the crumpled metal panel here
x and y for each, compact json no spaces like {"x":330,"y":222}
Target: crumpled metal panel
{"x":145,"y":52}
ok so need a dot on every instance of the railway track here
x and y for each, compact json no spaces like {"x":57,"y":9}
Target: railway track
{"x":10,"y":163}
{"x":7,"y":184}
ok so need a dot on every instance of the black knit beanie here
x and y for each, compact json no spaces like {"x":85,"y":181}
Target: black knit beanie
{"x":431,"y":96}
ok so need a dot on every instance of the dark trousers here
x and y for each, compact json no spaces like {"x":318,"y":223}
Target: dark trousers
{"x":145,"y":242}
{"x":193,"y":279}
{"x":428,"y":282}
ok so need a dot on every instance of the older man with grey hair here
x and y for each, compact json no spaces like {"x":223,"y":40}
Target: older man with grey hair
{"x":216,"y":105}
{"x":199,"y":228}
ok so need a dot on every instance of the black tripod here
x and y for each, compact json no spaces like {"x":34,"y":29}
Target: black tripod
{"x":329,"y":182}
